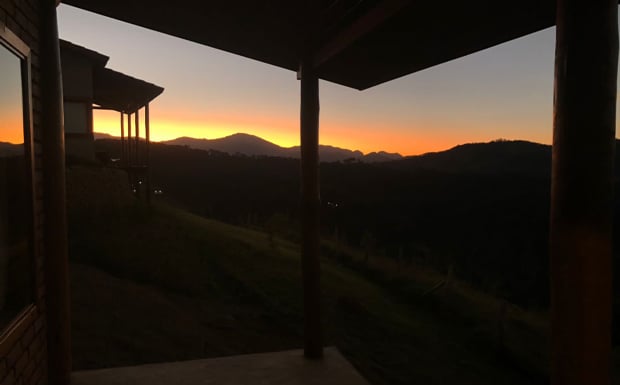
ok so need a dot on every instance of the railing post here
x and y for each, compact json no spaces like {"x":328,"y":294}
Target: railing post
{"x":137,"y":119}
{"x":128,"y":152}
{"x":147,"y":133}
{"x":122,"y":139}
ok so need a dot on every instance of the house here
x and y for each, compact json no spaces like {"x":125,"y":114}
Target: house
{"x":89,"y":85}
{"x":357,"y":44}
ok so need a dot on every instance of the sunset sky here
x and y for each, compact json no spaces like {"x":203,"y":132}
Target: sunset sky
{"x":503,"y":92}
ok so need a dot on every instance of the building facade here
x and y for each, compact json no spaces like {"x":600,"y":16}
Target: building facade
{"x":23,"y":337}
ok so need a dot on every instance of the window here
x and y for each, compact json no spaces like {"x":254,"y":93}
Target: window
{"x":16,"y":219}
{"x":76,"y":118}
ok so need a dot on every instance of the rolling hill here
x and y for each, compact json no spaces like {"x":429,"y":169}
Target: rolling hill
{"x":496,"y":157}
{"x":479,"y":210}
{"x":160,"y":284}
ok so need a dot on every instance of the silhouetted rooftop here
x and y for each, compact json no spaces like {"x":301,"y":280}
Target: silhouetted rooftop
{"x":362,"y":42}
{"x":96,"y":59}
{"x":120,"y":92}
{"x":112,"y":89}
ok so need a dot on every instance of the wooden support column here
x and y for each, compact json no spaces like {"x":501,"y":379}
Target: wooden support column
{"x":147,"y":134}
{"x":56,"y":266}
{"x":128,"y":140}
{"x":581,"y":191}
{"x":310,"y":204}
{"x":137,"y":118}
{"x":122,"y":139}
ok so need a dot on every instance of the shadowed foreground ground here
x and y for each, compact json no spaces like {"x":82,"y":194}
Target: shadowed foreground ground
{"x":169,"y":286}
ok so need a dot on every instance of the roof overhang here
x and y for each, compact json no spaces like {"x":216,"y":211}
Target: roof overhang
{"x":361,"y":43}
{"x":95,"y":58}
{"x":112,"y":89}
{"x":116,"y":91}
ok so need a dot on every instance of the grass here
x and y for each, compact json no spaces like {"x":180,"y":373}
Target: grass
{"x":164,"y":285}
{"x":522,"y":336}
{"x":161,"y":284}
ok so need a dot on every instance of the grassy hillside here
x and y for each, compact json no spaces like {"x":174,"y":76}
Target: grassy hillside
{"x":163,"y":285}
{"x":482,"y":208}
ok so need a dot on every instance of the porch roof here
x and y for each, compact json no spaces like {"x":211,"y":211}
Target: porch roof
{"x":361,"y":43}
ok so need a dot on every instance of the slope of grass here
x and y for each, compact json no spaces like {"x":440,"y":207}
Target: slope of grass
{"x":522,"y":336}
{"x":162,"y":285}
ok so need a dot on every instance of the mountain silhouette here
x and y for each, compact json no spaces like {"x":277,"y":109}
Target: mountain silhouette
{"x":254,"y":146}
{"x":101,"y":135}
{"x":234,"y":144}
{"x":496,"y":157}
{"x":10,"y":149}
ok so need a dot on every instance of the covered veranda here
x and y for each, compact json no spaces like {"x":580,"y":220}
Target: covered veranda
{"x":360,"y":44}
{"x":90,"y":85}
{"x":129,"y":96}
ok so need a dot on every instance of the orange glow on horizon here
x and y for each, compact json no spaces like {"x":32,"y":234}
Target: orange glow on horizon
{"x":12,"y":131}
{"x":168,"y":129}
{"x":403,"y":140}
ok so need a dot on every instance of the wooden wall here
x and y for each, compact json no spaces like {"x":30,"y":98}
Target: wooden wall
{"x":23,"y":357}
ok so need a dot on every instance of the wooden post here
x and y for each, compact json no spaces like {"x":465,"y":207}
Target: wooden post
{"x":58,"y":315}
{"x":310,"y":204}
{"x":137,"y":117}
{"x":147,"y":134}
{"x":581,"y":191}
{"x":122,"y":139}
{"x":128,"y":140}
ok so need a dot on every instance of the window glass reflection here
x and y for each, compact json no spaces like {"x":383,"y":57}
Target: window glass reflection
{"x":76,"y":118}
{"x":15,"y":261}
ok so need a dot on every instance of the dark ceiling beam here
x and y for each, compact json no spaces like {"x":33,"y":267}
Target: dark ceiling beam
{"x":360,"y":27}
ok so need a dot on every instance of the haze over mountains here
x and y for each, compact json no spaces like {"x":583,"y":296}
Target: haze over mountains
{"x":253,"y":145}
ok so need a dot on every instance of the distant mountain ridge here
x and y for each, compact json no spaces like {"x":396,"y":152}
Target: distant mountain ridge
{"x":101,"y":135}
{"x":495,"y":157}
{"x":253,"y":145}
{"x":10,"y":149}
{"x":498,"y":156}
